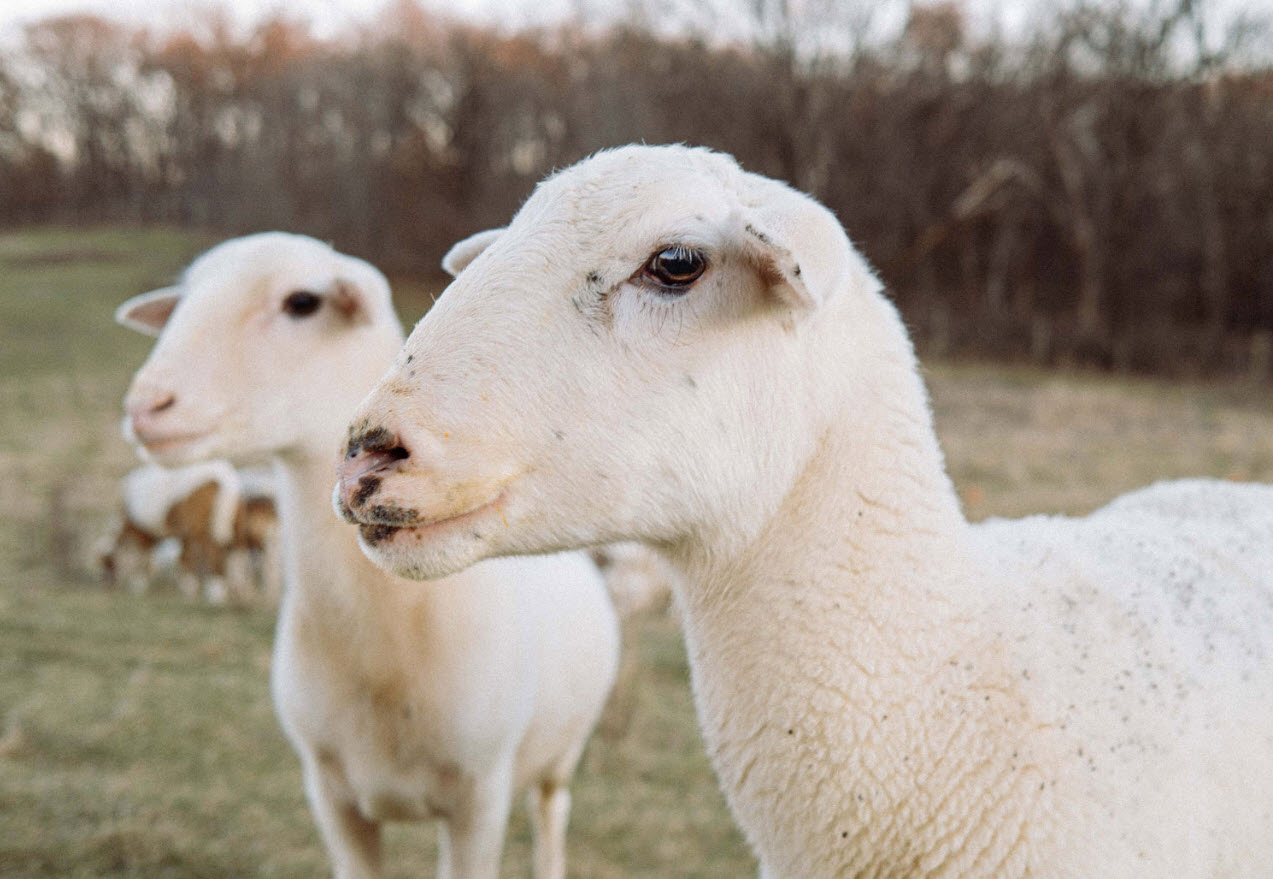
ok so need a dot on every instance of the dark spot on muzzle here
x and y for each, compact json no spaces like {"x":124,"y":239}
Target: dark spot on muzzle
{"x":367,"y":486}
{"x":387,"y":520}
{"x":392,"y":514}
{"x":375,"y":534}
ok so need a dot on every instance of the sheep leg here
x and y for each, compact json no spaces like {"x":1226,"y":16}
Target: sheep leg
{"x":549,"y":805}
{"x":216,"y":590}
{"x":188,"y":585}
{"x":616,"y":717}
{"x":473,"y":839}
{"x":240,"y":576}
{"x":132,"y":568}
{"x":352,"y":842}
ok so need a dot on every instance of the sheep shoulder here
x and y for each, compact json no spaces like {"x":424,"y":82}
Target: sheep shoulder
{"x":1142,"y":636}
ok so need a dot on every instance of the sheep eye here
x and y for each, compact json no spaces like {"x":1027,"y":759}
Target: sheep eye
{"x":675,"y":267}
{"x":301,"y":303}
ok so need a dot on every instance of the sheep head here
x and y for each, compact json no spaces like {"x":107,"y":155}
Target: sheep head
{"x":623,"y":361}
{"x":267,"y":342}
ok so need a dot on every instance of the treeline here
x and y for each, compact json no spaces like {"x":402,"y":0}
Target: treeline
{"x":1098,"y":192}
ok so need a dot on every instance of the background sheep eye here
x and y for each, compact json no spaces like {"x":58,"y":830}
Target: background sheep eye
{"x":675,"y":267}
{"x":302,"y":303}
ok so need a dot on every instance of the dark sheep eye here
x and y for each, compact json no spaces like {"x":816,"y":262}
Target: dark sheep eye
{"x":301,"y":303}
{"x":675,"y":267}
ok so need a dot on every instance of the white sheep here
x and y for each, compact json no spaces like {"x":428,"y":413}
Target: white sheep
{"x":404,"y":700}
{"x":217,"y":524}
{"x":662,"y":347}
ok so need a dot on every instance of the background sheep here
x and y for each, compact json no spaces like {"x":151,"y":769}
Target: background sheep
{"x":223,"y":527}
{"x":404,"y":700}
{"x":696,"y":357}
{"x":640,"y":585}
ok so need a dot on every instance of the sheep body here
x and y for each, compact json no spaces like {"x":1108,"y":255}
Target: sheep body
{"x":404,"y":700}
{"x":883,"y":689}
{"x":218,"y":523}
{"x":149,"y":493}
{"x":1144,"y":631}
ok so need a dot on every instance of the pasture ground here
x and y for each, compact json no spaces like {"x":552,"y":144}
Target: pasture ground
{"x":136,"y":734}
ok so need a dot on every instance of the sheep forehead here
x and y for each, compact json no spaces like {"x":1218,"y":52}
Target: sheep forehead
{"x":230,"y":284}
{"x":619,"y":169}
{"x":236,"y":277}
{"x":617,"y":205}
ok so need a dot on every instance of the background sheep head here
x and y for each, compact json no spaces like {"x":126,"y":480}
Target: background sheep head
{"x":262,"y":346}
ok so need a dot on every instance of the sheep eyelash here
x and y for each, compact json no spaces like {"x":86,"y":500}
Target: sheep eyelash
{"x":666,"y":311}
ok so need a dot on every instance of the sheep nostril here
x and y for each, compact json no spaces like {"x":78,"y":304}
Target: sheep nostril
{"x":378,"y":441}
{"x":379,"y":461}
{"x":166,"y":402}
{"x":362,"y":471}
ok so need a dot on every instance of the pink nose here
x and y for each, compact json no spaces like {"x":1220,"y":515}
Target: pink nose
{"x":144,"y":409}
{"x":370,"y":455}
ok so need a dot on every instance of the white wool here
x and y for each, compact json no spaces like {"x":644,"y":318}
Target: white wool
{"x":884,"y":690}
{"x":258,"y":482}
{"x":404,"y":700}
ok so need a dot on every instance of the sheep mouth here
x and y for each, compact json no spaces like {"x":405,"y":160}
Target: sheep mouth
{"x":383,"y":524}
{"x":159,"y":443}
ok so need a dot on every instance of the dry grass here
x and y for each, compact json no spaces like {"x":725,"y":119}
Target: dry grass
{"x":136,"y":735}
{"x":1022,"y":441}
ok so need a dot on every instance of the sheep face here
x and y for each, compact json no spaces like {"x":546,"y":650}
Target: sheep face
{"x":624,"y":361}
{"x":256,"y":350}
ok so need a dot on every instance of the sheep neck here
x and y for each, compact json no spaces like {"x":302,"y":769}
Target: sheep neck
{"x":321,"y":556}
{"x":831,"y":654}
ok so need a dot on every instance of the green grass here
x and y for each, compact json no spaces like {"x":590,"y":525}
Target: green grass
{"x":136,"y":734}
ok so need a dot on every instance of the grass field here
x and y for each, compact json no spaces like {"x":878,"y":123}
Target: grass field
{"x":136,"y":735}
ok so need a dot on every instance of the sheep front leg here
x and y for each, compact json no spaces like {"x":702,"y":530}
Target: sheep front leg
{"x":353,"y":842}
{"x":240,"y":576}
{"x":473,"y":839}
{"x":549,"y":805}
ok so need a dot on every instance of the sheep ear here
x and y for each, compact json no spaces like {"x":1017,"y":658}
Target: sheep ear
{"x":778,"y":267}
{"x":359,"y":292}
{"x":464,"y":252}
{"x":347,"y":299}
{"x":149,"y":312}
{"x":797,"y":245}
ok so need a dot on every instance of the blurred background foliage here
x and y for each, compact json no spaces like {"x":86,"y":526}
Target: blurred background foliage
{"x":1094,"y":189}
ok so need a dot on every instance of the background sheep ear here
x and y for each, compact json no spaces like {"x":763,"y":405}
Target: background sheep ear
{"x":360,"y":292}
{"x":348,"y":301}
{"x":798,"y":245}
{"x":148,"y":312}
{"x":464,"y":252}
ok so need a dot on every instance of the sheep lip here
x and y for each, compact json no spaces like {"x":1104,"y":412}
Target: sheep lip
{"x":167,"y":442}
{"x":377,"y":527}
